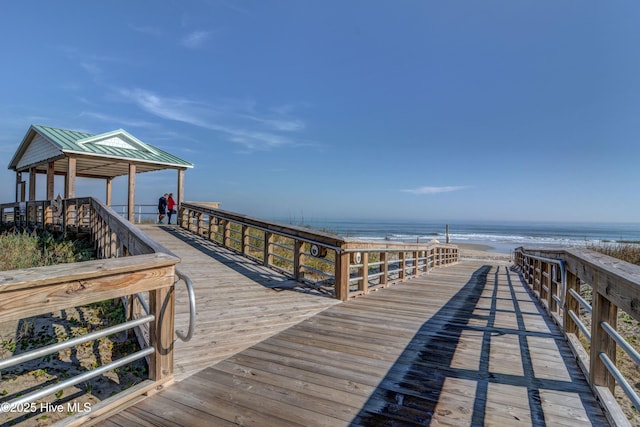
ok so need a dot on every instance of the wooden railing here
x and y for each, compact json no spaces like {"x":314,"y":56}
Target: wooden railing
{"x":342,"y":267}
{"x":586,"y":293}
{"x":132,"y":265}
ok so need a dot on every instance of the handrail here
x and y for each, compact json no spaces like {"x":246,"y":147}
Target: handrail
{"x":192,"y":306}
{"x":624,"y":384}
{"x":317,"y":258}
{"x":39,"y":394}
{"x":563,"y":272}
{"x":613,"y":285}
{"x":53,"y":348}
{"x":130,"y":263}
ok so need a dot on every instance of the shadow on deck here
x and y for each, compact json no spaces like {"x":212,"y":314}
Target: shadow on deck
{"x":260,"y":274}
{"x":412,"y":392}
{"x":465,"y":345}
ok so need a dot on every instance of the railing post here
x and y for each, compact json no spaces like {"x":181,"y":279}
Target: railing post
{"x":601,"y":342}
{"x":298,"y":259}
{"x":402,"y":265}
{"x":226,"y":233}
{"x":161,"y":330}
{"x":199,"y":223}
{"x":537,"y":281}
{"x":267,"y":258}
{"x":189,"y":218}
{"x":571,"y":304}
{"x":544,"y":283}
{"x":210,"y":226}
{"x":245,"y":239}
{"x":384,"y":268}
{"x":100,"y":240}
{"x":341,"y":285}
{"x":114,"y":245}
{"x":363,"y":272}
{"x":416,"y":272}
{"x":180,"y":216}
{"x":553,"y":287}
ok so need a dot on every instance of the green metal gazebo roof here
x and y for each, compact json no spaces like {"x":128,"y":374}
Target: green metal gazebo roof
{"x":98,"y":155}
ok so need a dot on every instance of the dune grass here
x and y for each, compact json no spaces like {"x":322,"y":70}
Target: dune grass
{"x":629,"y":252}
{"x":25,"y":250}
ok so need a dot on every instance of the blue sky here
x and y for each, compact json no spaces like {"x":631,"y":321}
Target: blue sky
{"x":435,"y":110}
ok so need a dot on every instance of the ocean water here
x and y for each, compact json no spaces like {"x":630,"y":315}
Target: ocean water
{"x":502,"y":237}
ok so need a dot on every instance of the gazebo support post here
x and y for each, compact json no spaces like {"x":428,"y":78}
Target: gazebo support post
{"x":32,"y":210}
{"x":32,"y":184}
{"x":131,"y":199}
{"x":109,"y":194}
{"x":50,"y":191}
{"x":18,"y":185}
{"x":70,"y":191}
{"x":180,"y":191}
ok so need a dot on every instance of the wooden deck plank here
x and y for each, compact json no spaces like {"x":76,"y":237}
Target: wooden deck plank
{"x":237,"y":305}
{"x":463,"y":345}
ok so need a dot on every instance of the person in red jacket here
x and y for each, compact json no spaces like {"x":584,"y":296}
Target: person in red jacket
{"x":171,"y":207}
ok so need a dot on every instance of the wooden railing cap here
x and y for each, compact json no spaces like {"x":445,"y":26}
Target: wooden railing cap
{"x":11,"y":280}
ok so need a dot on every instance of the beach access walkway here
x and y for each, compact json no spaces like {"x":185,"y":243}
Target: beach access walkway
{"x":463,"y":345}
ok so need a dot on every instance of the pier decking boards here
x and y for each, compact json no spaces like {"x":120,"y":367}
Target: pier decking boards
{"x":463,"y":345}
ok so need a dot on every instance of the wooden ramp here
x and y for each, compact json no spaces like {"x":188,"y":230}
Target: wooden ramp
{"x":238,"y":303}
{"x":463,"y":345}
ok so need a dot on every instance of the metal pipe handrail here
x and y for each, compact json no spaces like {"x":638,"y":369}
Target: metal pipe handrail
{"x":580,"y":325}
{"x":633,"y":354}
{"x":615,"y":372}
{"x":32,"y":397}
{"x":34,"y":354}
{"x":192,"y":306}
{"x":581,"y":300}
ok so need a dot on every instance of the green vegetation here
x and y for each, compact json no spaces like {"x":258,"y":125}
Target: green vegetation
{"x":629,"y":252}
{"x":27,"y":250}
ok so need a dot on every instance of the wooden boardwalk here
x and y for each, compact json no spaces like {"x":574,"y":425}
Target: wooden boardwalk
{"x":238,"y":302}
{"x":463,"y":345}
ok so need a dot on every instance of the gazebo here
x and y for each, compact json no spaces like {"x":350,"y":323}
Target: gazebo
{"x":52,"y":151}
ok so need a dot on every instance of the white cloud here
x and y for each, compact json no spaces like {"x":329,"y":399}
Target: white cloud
{"x":116,"y":120}
{"x":237,"y":120}
{"x":434,"y":190}
{"x":280,"y":124}
{"x":195,"y":39}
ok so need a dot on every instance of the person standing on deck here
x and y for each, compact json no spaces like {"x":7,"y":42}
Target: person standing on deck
{"x":162,"y":207}
{"x":171,"y":207}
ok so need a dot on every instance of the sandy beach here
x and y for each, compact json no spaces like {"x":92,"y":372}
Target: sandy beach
{"x":477,"y":251}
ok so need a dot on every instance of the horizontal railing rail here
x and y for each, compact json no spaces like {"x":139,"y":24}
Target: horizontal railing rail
{"x":331,"y":263}
{"x":131,"y":266}
{"x":587,"y":293}
{"x":24,"y":400}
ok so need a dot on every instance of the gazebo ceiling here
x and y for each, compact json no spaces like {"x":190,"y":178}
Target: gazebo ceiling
{"x":105,"y":155}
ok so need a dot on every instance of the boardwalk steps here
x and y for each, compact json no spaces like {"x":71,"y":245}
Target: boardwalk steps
{"x":463,"y":345}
